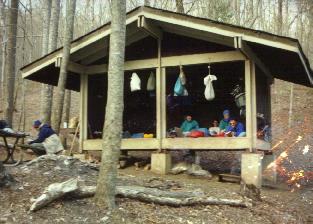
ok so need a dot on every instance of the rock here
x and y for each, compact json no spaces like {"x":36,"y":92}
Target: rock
{"x":105,"y":220}
{"x":191,"y":169}
{"x":147,"y":167}
{"x":180,"y":168}
{"x":196,"y":170}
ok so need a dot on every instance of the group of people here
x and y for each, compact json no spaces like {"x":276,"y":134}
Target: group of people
{"x":227,"y":127}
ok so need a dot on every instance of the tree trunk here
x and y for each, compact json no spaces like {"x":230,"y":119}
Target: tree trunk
{"x":68,"y":36}
{"x":147,"y":2}
{"x":280,"y":17}
{"x":45,"y":43}
{"x":180,"y":6}
{"x":67,"y":106}
{"x":113,"y":124}
{"x":3,"y":50}
{"x":10,"y":62}
{"x":47,"y":90}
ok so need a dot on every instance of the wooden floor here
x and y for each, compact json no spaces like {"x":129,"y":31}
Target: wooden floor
{"x":206,"y":143}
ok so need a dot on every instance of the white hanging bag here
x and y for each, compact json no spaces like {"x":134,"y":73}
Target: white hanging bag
{"x":135,"y":83}
{"x":151,"y":82}
{"x":209,"y":90}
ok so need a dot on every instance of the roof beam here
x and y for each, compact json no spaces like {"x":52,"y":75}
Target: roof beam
{"x":201,"y":35}
{"x":173,"y":61}
{"x":72,"y":66}
{"x":246,"y":50}
{"x":151,"y":29}
{"x":101,"y":53}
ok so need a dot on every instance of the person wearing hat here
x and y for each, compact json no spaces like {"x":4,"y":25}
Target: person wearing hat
{"x":47,"y":141}
{"x":224,"y":123}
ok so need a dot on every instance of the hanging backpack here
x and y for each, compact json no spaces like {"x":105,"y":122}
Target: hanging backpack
{"x":151,"y":82}
{"x":135,"y":83}
{"x":209,"y":90}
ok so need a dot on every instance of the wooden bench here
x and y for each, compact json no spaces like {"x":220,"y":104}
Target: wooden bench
{"x":229,"y":178}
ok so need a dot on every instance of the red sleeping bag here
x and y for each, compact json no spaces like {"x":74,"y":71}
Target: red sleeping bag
{"x":196,"y":134}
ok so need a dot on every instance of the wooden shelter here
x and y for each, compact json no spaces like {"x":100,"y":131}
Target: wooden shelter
{"x":159,"y":41}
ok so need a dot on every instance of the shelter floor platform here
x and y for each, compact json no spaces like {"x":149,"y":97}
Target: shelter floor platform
{"x":205,"y":143}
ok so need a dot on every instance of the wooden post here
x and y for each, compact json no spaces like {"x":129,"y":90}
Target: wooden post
{"x":253,"y":106}
{"x":250,"y":104}
{"x":159,"y":98}
{"x":83,"y":116}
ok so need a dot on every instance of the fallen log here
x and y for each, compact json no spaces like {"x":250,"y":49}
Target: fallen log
{"x":53,"y":192}
{"x":74,"y":189}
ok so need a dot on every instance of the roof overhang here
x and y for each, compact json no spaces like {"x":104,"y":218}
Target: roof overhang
{"x":94,"y":45}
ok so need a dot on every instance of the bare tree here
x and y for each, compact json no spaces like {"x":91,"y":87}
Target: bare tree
{"x":180,"y":6}
{"x":10,"y":61}
{"x":113,"y":124}
{"x":68,"y":36}
{"x":47,"y":90}
{"x":67,"y":106}
{"x":147,"y":2}
{"x":44,"y":115}
{"x":280,"y":17}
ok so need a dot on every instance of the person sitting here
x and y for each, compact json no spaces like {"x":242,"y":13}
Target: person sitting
{"x":215,"y":129}
{"x":235,"y":129}
{"x":188,"y":125}
{"x":224,"y":123}
{"x":47,"y":141}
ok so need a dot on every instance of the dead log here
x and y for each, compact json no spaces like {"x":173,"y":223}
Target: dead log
{"x":74,"y":189}
{"x":53,"y":192}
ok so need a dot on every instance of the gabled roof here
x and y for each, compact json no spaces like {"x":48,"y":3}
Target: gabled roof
{"x":282,"y":56}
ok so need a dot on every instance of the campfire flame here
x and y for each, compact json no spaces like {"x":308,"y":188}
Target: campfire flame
{"x":295,"y":177}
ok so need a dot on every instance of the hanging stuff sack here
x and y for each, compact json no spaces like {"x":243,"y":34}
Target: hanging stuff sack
{"x":180,"y":89}
{"x":135,"y":83}
{"x":209,"y":90}
{"x":151,"y":82}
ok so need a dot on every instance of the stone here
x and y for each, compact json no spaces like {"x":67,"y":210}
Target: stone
{"x":251,"y":169}
{"x":161,"y":163}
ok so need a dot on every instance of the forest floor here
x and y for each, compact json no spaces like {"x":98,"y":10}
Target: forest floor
{"x":278,"y":204}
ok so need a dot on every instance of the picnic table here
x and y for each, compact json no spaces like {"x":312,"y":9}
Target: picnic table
{"x":10,"y":148}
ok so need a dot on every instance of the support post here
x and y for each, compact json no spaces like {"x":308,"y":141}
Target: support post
{"x":250,"y":87}
{"x":251,"y":169}
{"x":83,"y":111}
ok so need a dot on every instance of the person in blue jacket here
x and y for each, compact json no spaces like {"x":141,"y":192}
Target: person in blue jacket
{"x":235,"y":129}
{"x":45,"y":131}
{"x":47,"y":141}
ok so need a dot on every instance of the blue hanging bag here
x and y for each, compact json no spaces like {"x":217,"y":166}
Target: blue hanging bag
{"x":179,"y":88}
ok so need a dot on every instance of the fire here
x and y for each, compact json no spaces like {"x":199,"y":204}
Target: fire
{"x":296,"y":177}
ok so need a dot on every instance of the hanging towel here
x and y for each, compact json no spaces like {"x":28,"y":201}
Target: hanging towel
{"x":209,"y":90}
{"x":135,"y":83}
{"x":151,"y":82}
